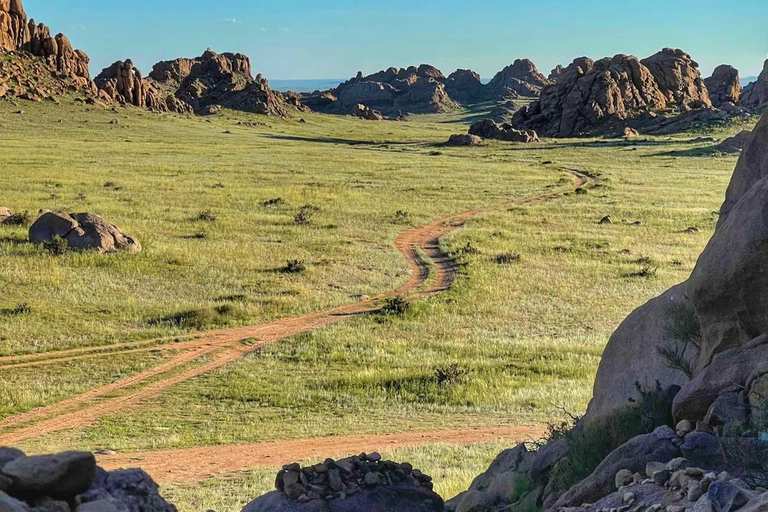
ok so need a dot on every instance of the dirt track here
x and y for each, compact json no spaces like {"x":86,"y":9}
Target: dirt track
{"x":420,"y":246}
{"x":195,"y":464}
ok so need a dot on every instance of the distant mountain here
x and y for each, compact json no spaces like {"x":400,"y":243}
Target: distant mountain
{"x":746,"y":80}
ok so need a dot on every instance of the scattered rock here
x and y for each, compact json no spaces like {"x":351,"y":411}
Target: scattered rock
{"x":724,"y":85}
{"x":64,"y":475}
{"x":489,"y":129}
{"x":464,"y":140}
{"x":82,"y":231}
{"x":364,"y":112}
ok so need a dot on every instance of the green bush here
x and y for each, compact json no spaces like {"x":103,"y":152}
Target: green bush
{"x":57,"y":246}
{"x":18,"y":219}
{"x":683,"y":331}
{"x":294,"y":267}
{"x":396,"y":306}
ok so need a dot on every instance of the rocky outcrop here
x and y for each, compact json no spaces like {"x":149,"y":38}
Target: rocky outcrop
{"x":364,"y":112}
{"x":72,"y":481}
{"x":521,"y":78}
{"x":555,"y":74}
{"x":81,"y":231}
{"x":353,"y":484}
{"x":724,"y":85}
{"x":735,"y":144}
{"x":590,"y":96}
{"x":489,"y":129}
{"x":633,"y":349}
{"x":392,"y":92}
{"x":755,"y":95}
{"x":464,"y":86}
{"x":217,"y":79}
{"x":17,"y":33}
{"x":678,"y":78}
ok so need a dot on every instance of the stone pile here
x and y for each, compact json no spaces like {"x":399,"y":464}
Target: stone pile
{"x":347,"y":477}
{"x":71,"y":482}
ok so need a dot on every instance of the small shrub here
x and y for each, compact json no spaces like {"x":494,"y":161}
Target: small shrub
{"x":201,"y":319}
{"x":402,"y":217}
{"x":18,"y":219}
{"x":683,"y":330}
{"x":645,"y":272}
{"x":305,"y":215}
{"x":206,"y":216}
{"x":275,"y":201}
{"x":506,"y":258}
{"x":110,"y":184}
{"x":57,"y":246}
{"x":451,"y":374}
{"x":218,"y":185}
{"x":294,"y":267}
{"x":19,"y":309}
{"x":80,"y":196}
{"x":468,"y":249}
{"x":396,"y":306}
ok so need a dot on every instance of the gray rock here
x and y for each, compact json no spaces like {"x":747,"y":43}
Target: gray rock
{"x":703,"y":449}
{"x":132,"y":487}
{"x":623,"y":478}
{"x":82,"y":231}
{"x":7,"y":454}
{"x":722,"y":495}
{"x":105,"y":505}
{"x":758,"y":503}
{"x":400,"y":498}
{"x":662,"y":445}
{"x":63,"y":475}
{"x":632,"y":351}
{"x":50,"y":224}
{"x":9,"y":504}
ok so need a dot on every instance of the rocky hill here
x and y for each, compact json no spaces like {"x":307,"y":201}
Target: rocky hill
{"x":661,"y":94}
{"x":755,"y":95}
{"x":521,"y":78}
{"x":724,"y":85}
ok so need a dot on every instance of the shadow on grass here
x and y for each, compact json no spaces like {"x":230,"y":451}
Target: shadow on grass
{"x":336,"y":140}
{"x":13,"y":240}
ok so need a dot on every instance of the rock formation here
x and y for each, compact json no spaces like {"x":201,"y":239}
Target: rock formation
{"x":51,"y":483}
{"x":591,"y":95}
{"x":736,"y":143}
{"x":724,"y":85}
{"x":555,"y":73}
{"x":364,"y":112}
{"x":355,"y":484}
{"x":81,"y":231}
{"x":489,"y":129}
{"x":464,"y":86}
{"x":217,"y":79}
{"x":519,"y":78}
{"x":755,"y":95}
{"x":124,"y":83}
{"x":463,"y":139}
{"x":392,"y":92}
{"x":678,"y":78}
{"x":19,"y":34}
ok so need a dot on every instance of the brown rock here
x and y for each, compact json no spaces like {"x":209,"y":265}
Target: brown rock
{"x":464,"y":86}
{"x":520,"y":78}
{"x":755,"y":95}
{"x":364,"y":112}
{"x":82,"y":231}
{"x":489,"y":129}
{"x":460,"y":139}
{"x":736,"y":143}
{"x":724,"y":85}
{"x":678,"y":78}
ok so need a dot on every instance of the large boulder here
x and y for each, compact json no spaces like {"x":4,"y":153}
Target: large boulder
{"x":82,"y":231}
{"x":755,"y":95}
{"x":463,"y":139}
{"x":465,"y":86}
{"x":363,"y":112}
{"x":724,"y":85}
{"x":737,"y":143}
{"x":8,"y":454}
{"x":733,"y":369}
{"x":129,"y":490}
{"x":490,"y":129}
{"x":64,"y":475}
{"x":678,"y":78}
{"x":662,"y":445}
{"x":400,"y":498}
{"x":632,"y":354}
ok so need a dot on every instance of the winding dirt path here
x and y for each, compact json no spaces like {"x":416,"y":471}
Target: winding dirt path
{"x":195,"y":464}
{"x":431,"y":271}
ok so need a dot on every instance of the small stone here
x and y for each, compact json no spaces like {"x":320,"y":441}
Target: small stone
{"x":694,"y":491}
{"x":293,"y":491}
{"x":371,"y":479}
{"x":374,"y":457}
{"x":694,"y":472}
{"x":295,"y":467}
{"x":629,"y":497}
{"x":304,"y":499}
{"x":653,"y":467}
{"x":678,"y":463}
{"x":661,"y":478}
{"x":623,"y":478}
{"x":606,"y":220}
{"x":683,"y":428}
{"x":675,"y":508}
{"x":290,"y":478}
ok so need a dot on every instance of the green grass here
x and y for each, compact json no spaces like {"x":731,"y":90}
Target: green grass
{"x":525,"y":336}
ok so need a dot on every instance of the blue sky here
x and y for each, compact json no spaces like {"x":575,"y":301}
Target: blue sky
{"x":293,"y":39}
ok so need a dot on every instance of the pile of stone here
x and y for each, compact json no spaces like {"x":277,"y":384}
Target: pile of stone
{"x":81,"y":231}
{"x":71,"y":482}
{"x":340,"y":479}
{"x":490,"y":129}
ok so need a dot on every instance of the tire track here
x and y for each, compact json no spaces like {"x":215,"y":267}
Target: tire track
{"x":421,"y":248}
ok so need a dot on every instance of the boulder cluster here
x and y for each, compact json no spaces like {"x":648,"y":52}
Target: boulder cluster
{"x":71,"y":482}
{"x":490,"y":129}
{"x":755,"y":95}
{"x":521,"y":78}
{"x":123,"y":83}
{"x":81,"y":231}
{"x":363,"y":482}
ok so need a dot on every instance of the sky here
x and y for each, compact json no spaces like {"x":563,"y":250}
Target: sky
{"x":314,"y":39}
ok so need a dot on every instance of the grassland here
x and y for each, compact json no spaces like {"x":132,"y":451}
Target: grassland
{"x":524,"y":337}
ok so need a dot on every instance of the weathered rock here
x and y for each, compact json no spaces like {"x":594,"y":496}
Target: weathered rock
{"x":678,"y":78}
{"x":82,"y":231}
{"x":217,"y":79}
{"x":632,"y":350}
{"x":757,"y":504}
{"x":124,"y":83}
{"x":464,"y":86}
{"x":623,"y":478}
{"x":489,"y":129}
{"x":737,"y":143}
{"x":363,"y":112}
{"x":555,"y":74}
{"x":104,"y":505}
{"x":662,"y":445}
{"x":727,"y":370}
{"x":7,"y":454}
{"x":521,"y":78}
{"x":751,"y":168}
{"x":128,"y":490}
{"x":402,"y":498}
{"x":724,"y":85}
{"x":590,"y":96}
{"x":461,"y":139}
{"x":64,"y":475}
{"x":702,"y":449}
{"x":7,"y":503}
{"x":755,"y":95}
